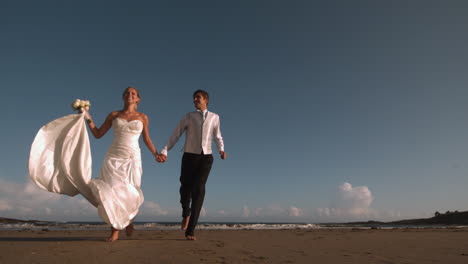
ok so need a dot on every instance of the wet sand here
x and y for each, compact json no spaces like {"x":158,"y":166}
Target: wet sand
{"x":238,"y":246}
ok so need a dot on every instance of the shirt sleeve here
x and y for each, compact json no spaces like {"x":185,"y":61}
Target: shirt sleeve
{"x":178,"y":131}
{"x":218,"y":138}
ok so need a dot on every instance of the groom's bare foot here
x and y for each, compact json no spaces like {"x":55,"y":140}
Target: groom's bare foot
{"x":114,"y":236}
{"x":190,"y":237}
{"x":129,"y":230}
{"x":184,"y":223}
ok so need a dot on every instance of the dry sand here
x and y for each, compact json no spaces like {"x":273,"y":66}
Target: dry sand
{"x":239,"y":246}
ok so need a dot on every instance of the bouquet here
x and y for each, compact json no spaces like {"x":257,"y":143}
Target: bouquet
{"x":78,"y":104}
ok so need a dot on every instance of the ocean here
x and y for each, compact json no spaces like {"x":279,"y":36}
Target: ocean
{"x":151,"y":226}
{"x":205,"y":226}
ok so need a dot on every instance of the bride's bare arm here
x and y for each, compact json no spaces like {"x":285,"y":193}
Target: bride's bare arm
{"x":146,"y":136}
{"x":101,"y":131}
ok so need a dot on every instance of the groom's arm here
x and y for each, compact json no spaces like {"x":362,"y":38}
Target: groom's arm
{"x":218,"y":138}
{"x":178,"y":131}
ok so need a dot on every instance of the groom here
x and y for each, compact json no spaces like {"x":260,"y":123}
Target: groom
{"x":200,"y":128}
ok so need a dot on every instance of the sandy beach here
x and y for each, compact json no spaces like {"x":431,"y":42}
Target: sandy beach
{"x":238,"y":246}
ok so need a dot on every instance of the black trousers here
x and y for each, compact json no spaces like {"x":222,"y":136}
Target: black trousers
{"x":194,"y":174}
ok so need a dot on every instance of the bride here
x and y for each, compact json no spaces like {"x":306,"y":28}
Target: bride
{"x":60,"y":161}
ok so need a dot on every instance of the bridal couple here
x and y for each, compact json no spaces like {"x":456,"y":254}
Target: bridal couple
{"x":60,"y":160}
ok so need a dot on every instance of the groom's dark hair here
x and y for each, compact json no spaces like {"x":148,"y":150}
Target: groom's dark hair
{"x":204,"y":94}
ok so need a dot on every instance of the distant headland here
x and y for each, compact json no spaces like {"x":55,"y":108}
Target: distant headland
{"x":447,"y":218}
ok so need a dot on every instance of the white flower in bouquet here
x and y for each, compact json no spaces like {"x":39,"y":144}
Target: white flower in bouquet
{"x":78,"y":104}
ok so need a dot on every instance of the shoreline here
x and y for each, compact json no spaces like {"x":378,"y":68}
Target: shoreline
{"x":174,"y":226}
{"x":238,"y":246}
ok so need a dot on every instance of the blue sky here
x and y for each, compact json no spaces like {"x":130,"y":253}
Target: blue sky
{"x":330,"y":110}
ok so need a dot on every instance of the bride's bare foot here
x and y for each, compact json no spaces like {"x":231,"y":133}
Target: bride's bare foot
{"x":114,"y":235}
{"x":129,"y":230}
{"x":184,"y":223}
{"x":190,"y":237}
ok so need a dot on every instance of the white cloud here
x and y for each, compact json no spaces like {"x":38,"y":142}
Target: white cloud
{"x":245,"y":211}
{"x":295,"y":212}
{"x":323,"y":212}
{"x":5,"y":206}
{"x":203,"y":212}
{"x":222,"y":212}
{"x":351,"y":203}
{"x":27,"y":201}
{"x":354,"y":203}
{"x":150,"y":208}
{"x":273,"y":212}
{"x":355,"y":199}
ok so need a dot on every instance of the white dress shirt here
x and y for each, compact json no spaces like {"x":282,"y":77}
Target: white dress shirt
{"x":200,"y":128}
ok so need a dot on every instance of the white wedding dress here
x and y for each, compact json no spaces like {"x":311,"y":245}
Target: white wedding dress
{"x":60,"y":162}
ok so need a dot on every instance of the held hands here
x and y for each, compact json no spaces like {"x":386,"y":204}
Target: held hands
{"x":161,"y":158}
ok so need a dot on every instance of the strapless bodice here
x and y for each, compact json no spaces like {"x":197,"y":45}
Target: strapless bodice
{"x":126,"y":135}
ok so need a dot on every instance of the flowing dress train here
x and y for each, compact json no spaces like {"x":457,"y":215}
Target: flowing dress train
{"x":60,"y":162}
